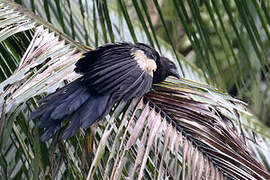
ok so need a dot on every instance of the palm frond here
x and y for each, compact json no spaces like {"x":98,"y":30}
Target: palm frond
{"x":208,"y":128}
{"x":156,"y":137}
{"x":230,"y":39}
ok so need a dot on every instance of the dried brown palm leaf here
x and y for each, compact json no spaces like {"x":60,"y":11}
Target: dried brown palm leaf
{"x":207,"y":133}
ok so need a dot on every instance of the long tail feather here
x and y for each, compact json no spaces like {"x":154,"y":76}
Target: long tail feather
{"x":75,"y":102}
{"x":91,"y":111}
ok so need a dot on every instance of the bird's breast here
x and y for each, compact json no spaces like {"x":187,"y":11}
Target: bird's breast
{"x":146,"y":64}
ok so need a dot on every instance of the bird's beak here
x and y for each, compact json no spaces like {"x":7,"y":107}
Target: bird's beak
{"x":173,"y":72}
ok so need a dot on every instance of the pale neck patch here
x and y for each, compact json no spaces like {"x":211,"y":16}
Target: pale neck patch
{"x":145,"y":63}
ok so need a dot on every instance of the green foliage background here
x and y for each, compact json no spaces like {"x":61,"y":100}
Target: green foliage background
{"x":222,"y":43}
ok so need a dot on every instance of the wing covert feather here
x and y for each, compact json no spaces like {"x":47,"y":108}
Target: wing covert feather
{"x":113,"y":69}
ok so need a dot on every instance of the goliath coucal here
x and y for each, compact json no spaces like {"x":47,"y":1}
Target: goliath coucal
{"x":110,"y":73}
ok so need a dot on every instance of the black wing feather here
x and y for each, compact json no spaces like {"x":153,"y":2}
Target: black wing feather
{"x":99,"y":66}
{"x":107,"y":77}
{"x":115,"y":83}
{"x":141,"y":88}
{"x":102,"y":53}
{"x":113,"y":70}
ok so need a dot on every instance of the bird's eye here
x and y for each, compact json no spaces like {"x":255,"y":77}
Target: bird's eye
{"x":171,"y":66}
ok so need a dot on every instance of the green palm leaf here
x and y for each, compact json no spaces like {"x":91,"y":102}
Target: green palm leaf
{"x":155,"y":137}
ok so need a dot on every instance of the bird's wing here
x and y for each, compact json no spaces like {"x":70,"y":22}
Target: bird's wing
{"x":123,"y":70}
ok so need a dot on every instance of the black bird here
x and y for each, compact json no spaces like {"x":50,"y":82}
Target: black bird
{"x":110,"y":73}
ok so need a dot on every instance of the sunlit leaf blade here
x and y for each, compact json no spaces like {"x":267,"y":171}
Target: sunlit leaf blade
{"x":135,"y":140}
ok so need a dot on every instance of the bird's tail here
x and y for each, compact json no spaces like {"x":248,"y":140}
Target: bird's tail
{"x":75,"y":103}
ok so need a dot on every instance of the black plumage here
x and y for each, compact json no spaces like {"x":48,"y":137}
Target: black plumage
{"x":109,"y":73}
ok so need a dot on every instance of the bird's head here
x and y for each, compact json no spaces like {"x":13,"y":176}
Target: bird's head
{"x":165,"y":68}
{"x":149,"y":60}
